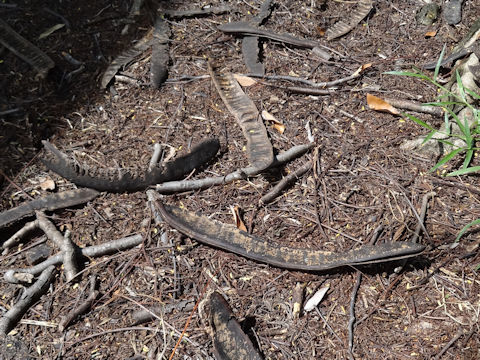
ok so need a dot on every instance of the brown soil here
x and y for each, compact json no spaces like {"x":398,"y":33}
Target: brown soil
{"x":364,"y":181}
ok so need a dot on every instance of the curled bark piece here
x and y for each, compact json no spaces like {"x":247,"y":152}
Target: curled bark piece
{"x":112,"y":181}
{"x":259,"y":148}
{"x":126,"y":57}
{"x":188,"y":185}
{"x":229,"y":340}
{"x":342,"y":27}
{"x":160,"y":56}
{"x":25,"y":50}
{"x":91,"y":251}
{"x":50,"y":202}
{"x":229,"y":238}
{"x":29,"y":297}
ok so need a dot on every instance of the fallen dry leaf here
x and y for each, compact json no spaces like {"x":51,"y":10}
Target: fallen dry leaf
{"x":277,"y":125}
{"x":361,"y":68}
{"x":429,"y":34}
{"x":236,"y":217}
{"x":244,"y":81}
{"x":375,"y":103}
{"x":47,"y":184}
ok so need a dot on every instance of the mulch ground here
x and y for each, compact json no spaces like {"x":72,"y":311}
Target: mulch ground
{"x":431,"y":309}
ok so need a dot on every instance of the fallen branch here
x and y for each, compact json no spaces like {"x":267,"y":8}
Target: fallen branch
{"x":415,"y":106}
{"x":91,"y":251}
{"x":17,"y":237}
{"x":29,"y":297}
{"x":70,"y":262}
{"x":188,"y":185}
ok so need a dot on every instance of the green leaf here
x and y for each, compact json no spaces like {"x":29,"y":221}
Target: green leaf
{"x":466,"y":227}
{"x":473,"y":94}
{"x":445,"y":159}
{"x":461,"y":88}
{"x":446,"y":122}
{"x":419,"y":122}
{"x":429,"y":136}
{"x":440,"y":59}
{"x":468,"y":158}
{"x":464,"y":171}
{"x":407,"y":73}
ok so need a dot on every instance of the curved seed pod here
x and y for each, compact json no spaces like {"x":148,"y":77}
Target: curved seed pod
{"x":259,"y":148}
{"x":229,"y":238}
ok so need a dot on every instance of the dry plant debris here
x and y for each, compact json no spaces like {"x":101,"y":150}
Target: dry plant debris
{"x":360,"y":181}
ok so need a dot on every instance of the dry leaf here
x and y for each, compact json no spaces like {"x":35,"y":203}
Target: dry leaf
{"x":429,"y":34}
{"x":375,"y":103}
{"x":277,"y":125}
{"x":47,"y":184}
{"x":238,"y":220}
{"x":244,"y":81}
{"x":316,"y":298}
{"x":361,"y":68}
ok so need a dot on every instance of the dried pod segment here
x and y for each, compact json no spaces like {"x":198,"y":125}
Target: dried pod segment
{"x":259,"y":148}
{"x":344,"y":26}
{"x":229,"y":238}
{"x":160,"y":56}
{"x":25,"y":50}
{"x":229,"y":340}
{"x":50,"y":202}
{"x":125,"y":57}
{"x":113,"y":180}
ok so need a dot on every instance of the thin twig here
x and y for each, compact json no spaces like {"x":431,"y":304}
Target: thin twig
{"x":157,"y":150}
{"x":282,"y":184}
{"x":450,"y":343}
{"x":82,"y":308}
{"x":415,"y":106}
{"x":423,"y":213}
{"x":17,"y":237}
{"x":188,"y":185}
{"x":351,"y":321}
{"x":305,"y":81}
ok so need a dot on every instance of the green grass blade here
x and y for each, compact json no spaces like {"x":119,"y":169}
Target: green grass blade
{"x":419,"y":122}
{"x":407,"y":73}
{"x":429,"y":136}
{"x":439,"y":62}
{"x":466,"y":227}
{"x":464,"y":171}
{"x":468,"y":158}
{"x":473,"y":94}
{"x":461,"y":88}
{"x":445,"y":159}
